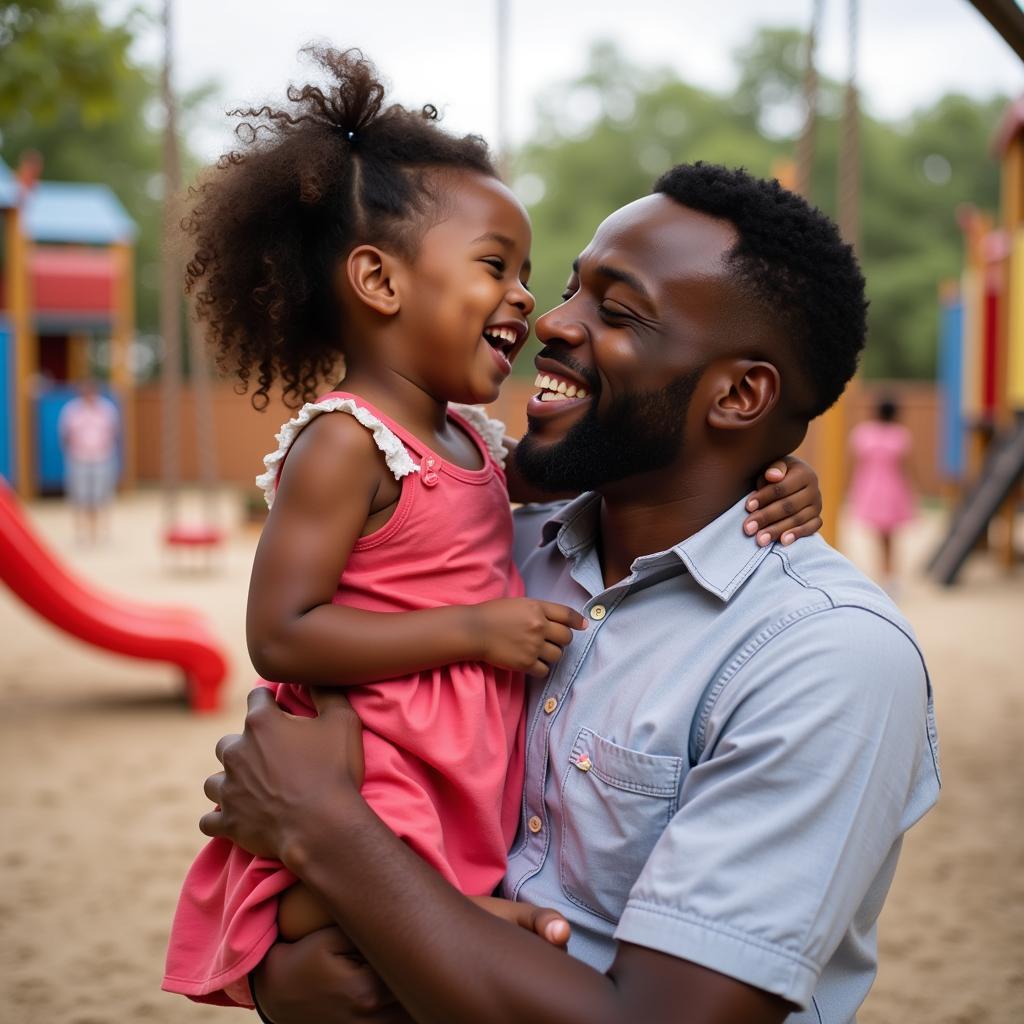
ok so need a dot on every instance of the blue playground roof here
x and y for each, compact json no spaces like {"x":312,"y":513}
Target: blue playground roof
{"x":66,"y":211}
{"x":59,"y":211}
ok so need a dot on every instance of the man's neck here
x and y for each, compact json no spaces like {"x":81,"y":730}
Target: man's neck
{"x":643,"y":515}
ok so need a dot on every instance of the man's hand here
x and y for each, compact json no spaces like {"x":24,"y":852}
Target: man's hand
{"x":323,"y":978}
{"x":281,"y":770}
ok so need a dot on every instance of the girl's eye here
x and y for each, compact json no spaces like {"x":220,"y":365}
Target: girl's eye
{"x":612,"y":314}
{"x":497,"y":263}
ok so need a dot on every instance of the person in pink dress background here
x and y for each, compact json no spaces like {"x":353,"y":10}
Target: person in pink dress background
{"x":88,"y":428}
{"x":880,"y":493}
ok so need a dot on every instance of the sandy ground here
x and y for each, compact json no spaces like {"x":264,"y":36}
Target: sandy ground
{"x":102,"y":769}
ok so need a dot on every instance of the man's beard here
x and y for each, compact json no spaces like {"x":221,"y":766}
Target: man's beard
{"x":640,"y":432}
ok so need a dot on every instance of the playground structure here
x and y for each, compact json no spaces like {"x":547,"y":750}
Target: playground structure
{"x":67,"y":283}
{"x":150,"y":632}
{"x":982,"y":368}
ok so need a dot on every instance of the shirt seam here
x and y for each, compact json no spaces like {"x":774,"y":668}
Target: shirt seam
{"x":746,"y":654}
{"x":734,"y":933}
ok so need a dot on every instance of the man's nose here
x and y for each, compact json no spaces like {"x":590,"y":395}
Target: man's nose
{"x":557,"y":326}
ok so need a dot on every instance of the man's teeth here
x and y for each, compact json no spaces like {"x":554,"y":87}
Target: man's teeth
{"x":554,"y":390}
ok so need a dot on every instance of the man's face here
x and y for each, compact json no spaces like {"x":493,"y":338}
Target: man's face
{"x":644,"y":312}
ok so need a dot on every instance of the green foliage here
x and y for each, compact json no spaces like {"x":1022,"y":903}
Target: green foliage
{"x":914,"y":174}
{"x":71,"y":90}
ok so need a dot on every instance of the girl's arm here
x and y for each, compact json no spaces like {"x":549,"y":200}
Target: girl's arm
{"x":786,"y":505}
{"x":332,"y":481}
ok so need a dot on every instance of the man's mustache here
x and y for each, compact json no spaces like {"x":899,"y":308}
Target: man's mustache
{"x":559,"y":355}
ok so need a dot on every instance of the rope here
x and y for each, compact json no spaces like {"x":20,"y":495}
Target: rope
{"x":849,"y":145}
{"x":207,"y":449}
{"x":806,"y":143}
{"x":170,"y":297}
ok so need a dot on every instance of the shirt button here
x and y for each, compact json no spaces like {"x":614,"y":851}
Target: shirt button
{"x":535,"y":824}
{"x":597,"y":613}
{"x":550,"y":704}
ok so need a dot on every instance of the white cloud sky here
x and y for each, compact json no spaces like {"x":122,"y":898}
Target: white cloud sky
{"x":444,"y":52}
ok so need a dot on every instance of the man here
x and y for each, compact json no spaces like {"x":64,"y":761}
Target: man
{"x":721,"y":767}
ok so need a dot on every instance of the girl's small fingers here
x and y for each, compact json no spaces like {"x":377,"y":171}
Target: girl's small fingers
{"x":776,"y":471}
{"x":790,"y":524}
{"x":808,"y":529}
{"x":550,"y":653}
{"x":538,"y":669}
{"x":775,"y":511}
{"x":560,"y":635}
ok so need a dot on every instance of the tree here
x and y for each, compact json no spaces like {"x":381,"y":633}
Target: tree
{"x":604,"y":138}
{"x":71,"y":90}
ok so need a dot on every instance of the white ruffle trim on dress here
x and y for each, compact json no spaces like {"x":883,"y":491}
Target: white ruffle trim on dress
{"x":492,"y":431}
{"x":397,"y":457}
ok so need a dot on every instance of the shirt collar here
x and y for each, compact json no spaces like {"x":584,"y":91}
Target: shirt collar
{"x":719,"y":558}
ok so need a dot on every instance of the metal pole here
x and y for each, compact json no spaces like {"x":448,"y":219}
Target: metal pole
{"x":806,"y":143}
{"x":170,"y":298}
{"x":501,"y":86}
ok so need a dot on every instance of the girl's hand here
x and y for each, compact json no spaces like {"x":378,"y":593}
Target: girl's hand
{"x":787,"y":504}
{"x":543,"y":921}
{"x":522,"y":634}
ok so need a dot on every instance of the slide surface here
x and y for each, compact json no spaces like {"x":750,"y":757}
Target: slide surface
{"x":1003,"y":468}
{"x":173,"y":635}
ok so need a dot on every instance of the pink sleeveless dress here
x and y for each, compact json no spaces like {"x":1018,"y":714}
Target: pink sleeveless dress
{"x":443,"y":747}
{"x":880,"y":493}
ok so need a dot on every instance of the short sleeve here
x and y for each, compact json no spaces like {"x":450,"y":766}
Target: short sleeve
{"x":396,"y":456}
{"x":491,"y":431}
{"x":815,"y":757}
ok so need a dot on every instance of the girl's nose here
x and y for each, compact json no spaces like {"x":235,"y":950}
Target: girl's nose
{"x":521,"y":297}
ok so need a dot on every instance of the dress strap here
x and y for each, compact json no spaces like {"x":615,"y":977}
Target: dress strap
{"x":396,"y":455}
{"x":491,"y":431}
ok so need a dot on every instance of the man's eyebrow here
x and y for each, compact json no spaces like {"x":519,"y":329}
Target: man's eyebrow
{"x":616,"y":274}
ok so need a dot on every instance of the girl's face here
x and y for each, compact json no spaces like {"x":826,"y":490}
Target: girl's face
{"x":466,"y":304}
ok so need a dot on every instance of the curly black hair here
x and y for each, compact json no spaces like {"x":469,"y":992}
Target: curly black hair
{"x":267,"y":225}
{"x":791,"y":259}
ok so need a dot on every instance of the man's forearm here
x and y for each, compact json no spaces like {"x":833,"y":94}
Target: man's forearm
{"x":446,"y":960}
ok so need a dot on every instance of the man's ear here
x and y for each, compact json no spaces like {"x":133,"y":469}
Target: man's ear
{"x":371,"y":276}
{"x":745,"y":391}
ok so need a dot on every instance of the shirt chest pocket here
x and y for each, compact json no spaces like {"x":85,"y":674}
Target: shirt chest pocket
{"x":616,"y":802}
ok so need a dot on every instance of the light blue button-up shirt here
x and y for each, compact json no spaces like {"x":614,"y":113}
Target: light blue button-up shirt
{"x":722,"y":766}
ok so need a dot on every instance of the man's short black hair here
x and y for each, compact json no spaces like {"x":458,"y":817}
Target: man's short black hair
{"x":791,"y":259}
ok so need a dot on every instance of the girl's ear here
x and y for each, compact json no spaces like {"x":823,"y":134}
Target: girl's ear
{"x":371,"y":276}
{"x":744,"y":392}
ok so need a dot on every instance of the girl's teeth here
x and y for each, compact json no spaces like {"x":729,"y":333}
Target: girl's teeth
{"x":570,"y":391}
{"x":562,"y":386}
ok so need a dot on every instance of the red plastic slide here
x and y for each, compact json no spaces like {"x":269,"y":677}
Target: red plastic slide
{"x":175,"y":635}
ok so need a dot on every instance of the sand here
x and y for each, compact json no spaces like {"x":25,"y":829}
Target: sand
{"x":102,"y":769}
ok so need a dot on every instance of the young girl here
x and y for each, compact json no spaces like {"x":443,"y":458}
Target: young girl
{"x":350,"y":228}
{"x":880,"y":493}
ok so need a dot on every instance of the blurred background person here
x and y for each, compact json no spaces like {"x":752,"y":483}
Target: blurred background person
{"x":89,"y":429}
{"x":880,"y":491}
